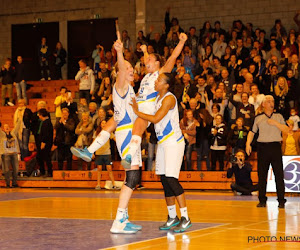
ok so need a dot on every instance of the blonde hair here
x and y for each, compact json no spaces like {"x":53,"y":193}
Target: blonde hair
{"x":285,"y":90}
{"x":41,"y":103}
{"x":85,"y":114}
{"x":22,"y":101}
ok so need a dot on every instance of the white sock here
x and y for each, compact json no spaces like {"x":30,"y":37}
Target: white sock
{"x":134,"y":144}
{"x":100,"y":140}
{"x":126,"y":212}
{"x":121,"y":213}
{"x":184,"y":212}
{"x":172,"y":211}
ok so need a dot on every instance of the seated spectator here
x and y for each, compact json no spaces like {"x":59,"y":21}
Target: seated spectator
{"x":226,"y":57}
{"x":84,"y":131}
{"x":208,"y":55}
{"x":19,"y":80}
{"x":93,"y":111}
{"x":58,"y":101}
{"x":242,"y":172}
{"x":44,"y":143}
{"x":218,"y":137}
{"x":101,"y":117}
{"x":24,"y":115}
{"x":103,"y":158}
{"x":295,"y":118}
{"x":7,"y":73}
{"x":141,"y":38}
{"x":71,"y":106}
{"x":255,"y":98}
{"x":273,"y":50}
{"x":181,"y":70}
{"x":237,"y":136}
{"x":9,"y":150}
{"x":202,"y":132}
{"x":158,"y":43}
{"x":291,"y":140}
{"x":82,"y":107}
{"x":188,"y":127}
{"x":65,"y":139}
{"x":219,"y":46}
{"x":138,"y":52}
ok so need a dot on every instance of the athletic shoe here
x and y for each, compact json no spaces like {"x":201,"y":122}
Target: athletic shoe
{"x":261,"y":204}
{"x":121,"y":227}
{"x":133,"y":226}
{"x":171,"y":222}
{"x":97,"y":187}
{"x":84,"y":154}
{"x":115,"y":188}
{"x":10,"y":104}
{"x":183,"y":225}
{"x":42,"y":79}
{"x":126,"y":163}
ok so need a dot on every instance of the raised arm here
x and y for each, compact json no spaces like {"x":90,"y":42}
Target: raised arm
{"x":120,"y":82}
{"x":167,"y":104}
{"x":172,"y":59}
{"x":146,"y":55}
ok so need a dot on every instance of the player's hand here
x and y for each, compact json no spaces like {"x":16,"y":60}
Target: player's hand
{"x":144,"y":48}
{"x":182,"y":37}
{"x":134,"y":105}
{"x":118,"y":45}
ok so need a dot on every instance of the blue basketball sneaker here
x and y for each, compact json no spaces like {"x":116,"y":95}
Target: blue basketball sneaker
{"x":171,"y":222}
{"x":126,"y":163}
{"x":183,"y":225}
{"x":84,"y":154}
{"x":122,"y":227}
{"x":133,"y":226}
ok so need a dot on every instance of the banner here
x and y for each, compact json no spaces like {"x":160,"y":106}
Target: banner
{"x":291,"y":169}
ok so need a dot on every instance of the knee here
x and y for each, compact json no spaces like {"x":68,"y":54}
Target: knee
{"x":132,"y":178}
{"x":175,"y":186}
{"x":167,"y":190}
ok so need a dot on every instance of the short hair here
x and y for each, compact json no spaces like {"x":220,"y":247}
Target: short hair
{"x":240,"y":151}
{"x":41,"y":103}
{"x":217,"y":22}
{"x":83,"y":61}
{"x":43,"y":113}
{"x":192,"y":27}
{"x":93,"y":104}
{"x":85,"y":113}
{"x":266,"y":97}
{"x":63,"y":87}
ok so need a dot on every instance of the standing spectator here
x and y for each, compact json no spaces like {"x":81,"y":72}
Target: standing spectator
{"x":44,"y":54}
{"x":192,"y":41}
{"x":104,"y":95}
{"x":188,"y":127}
{"x":103,"y":158}
{"x":9,"y":150}
{"x":45,"y":142}
{"x":127,"y":43}
{"x":35,"y":122}
{"x":71,"y":106}
{"x":218,"y":142}
{"x":84,"y":131}
{"x":255,"y":98}
{"x":7,"y":72}
{"x":87,"y":81}
{"x":219,"y":46}
{"x":24,"y":115}
{"x":101,"y":117}
{"x":65,"y":137}
{"x":96,"y":55}
{"x":291,"y":140}
{"x":19,"y":80}
{"x":58,"y":101}
{"x":237,"y":136}
{"x":188,"y":59}
{"x":60,"y":55}
{"x":158,"y":43}
{"x":93,"y":111}
{"x":295,"y":118}
{"x":270,"y":125}
{"x":281,"y":97}
{"x":242,"y":173}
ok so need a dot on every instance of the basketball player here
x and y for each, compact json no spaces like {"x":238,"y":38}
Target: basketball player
{"x":170,"y":150}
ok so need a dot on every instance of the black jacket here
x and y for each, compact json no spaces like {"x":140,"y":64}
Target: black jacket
{"x":242,"y":176}
{"x":46,"y":134}
{"x":221,"y":135}
{"x":7,"y":76}
{"x":65,"y":133}
{"x":233,"y":137}
{"x":27,"y":118}
{"x":20,"y":72}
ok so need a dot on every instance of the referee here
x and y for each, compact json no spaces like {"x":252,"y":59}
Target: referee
{"x":270,"y":125}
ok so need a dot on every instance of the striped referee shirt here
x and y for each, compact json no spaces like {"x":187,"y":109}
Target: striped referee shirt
{"x":267,"y":132}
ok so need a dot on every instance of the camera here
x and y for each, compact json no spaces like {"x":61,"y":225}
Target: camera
{"x":232,"y":159}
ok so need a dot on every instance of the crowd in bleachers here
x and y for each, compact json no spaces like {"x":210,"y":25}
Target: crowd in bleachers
{"x":221,"y":80}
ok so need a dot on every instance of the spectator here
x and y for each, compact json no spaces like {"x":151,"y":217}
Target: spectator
{"x":218,"y":142}
{"x":109,"y":60}
{"x":35,"y":122}
{"x":87,"y":81}
{"x":60,"y":55}
{"x":158,"y":42}
{"x":222,"y":103}
{"x":202,"y":132}
{"x":188,"y":59}
{"x":44,"y":143}
{"x":105,"y":93}
{"x":192,"y":41}
{"x":219,"y":46}
{"x":206,"y":31}
{"x":255,"y":98}
{"x":101,"y":117}
{"x":127,"y":43}
{"x":297,"y":21}
{"x":24,"y":115}
{"x":96,"y":55}
{"x":44,"y":54}
{"x":138,"y":52}
{"x":103,"y":158}
{"x":71,"y":106}
{"x":291,"y":140}
{"x":294,"y":89}
{"x":237,"y":136}
{"x":84,"y":131}
{"x":295,"y":118}
{"x":273,"y":50}
{"x":93,"y":111}
{"x":217,"y":68}
{"x":226,"y":57}
{"x":7,"y":72}
{"x":19,"y":80}
{"x":205,"y":69}
{"x":241,"y":52}
{"x":248,"y":82}
{"x":281,"y":97}
{"x":279,"y":30}
{"x":188,"y":127}
{"x":9,"y":150}
{"x":242,"y":172}
{"x":141,"y":38}
{"x":65,"y":138}
{"x":58,"y":101}
{"x":82,"y":107}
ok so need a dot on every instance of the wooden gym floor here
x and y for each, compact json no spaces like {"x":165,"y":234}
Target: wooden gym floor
{"x":81,"y":219}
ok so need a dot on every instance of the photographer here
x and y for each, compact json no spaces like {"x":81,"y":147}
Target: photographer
{"x":242,"y":173}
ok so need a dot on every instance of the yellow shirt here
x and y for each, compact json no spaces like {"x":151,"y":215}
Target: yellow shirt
{"x":105,"y":149}
{"x":290,"y":148}
{"x":58,"y":101}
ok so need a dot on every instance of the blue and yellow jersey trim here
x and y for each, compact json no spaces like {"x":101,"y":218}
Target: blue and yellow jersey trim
{"x":126,"y":123}
{"x":149,"y":98}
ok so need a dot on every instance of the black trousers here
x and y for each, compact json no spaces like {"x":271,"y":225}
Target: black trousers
{"x":44,"y":156}
{"x":217,"y":155}
{"x":244,"y":190}
{"x":270,"y":153}
{"x":64,"y":153}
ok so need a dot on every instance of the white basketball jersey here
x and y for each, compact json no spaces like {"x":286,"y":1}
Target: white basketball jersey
{"x":147,"y":92}
{"x":168,"y":129}
{"x":123,"y":112}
